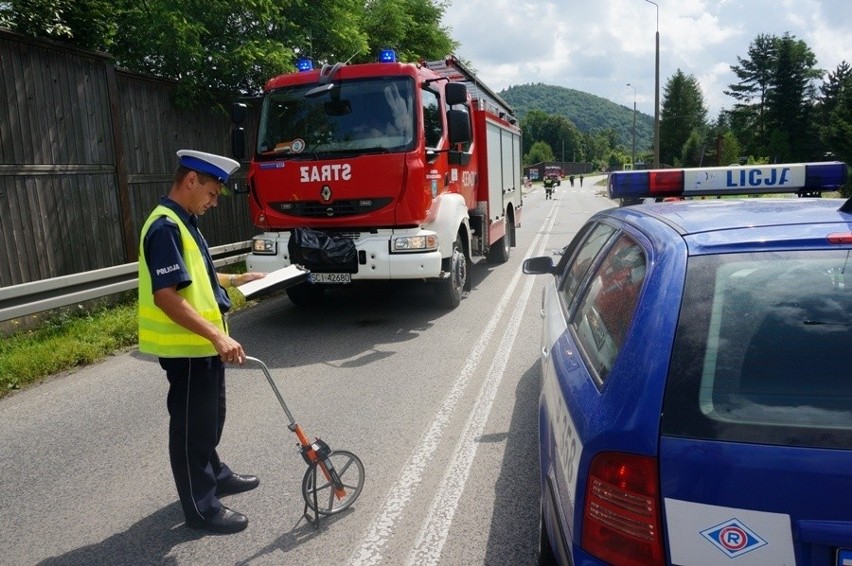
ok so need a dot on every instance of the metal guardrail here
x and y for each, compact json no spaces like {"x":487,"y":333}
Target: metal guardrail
{"x":30,"y":298}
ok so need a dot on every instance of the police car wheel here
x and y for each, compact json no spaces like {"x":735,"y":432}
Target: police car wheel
{"x":545,"y":551}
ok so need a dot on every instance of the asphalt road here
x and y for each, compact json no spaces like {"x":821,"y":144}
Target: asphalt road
{"x":440,"y":407}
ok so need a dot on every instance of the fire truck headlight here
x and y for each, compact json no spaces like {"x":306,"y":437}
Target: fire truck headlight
{"x":423,"y":243}
{"x":262,"y":246}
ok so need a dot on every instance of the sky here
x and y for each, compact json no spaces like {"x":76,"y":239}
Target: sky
{"x":599,"y":46}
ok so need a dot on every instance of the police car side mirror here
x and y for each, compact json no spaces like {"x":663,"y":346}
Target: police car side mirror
{"x":539,"y":266}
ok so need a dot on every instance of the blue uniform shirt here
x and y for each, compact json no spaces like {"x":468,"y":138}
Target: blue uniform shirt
{"x":163,"y":253}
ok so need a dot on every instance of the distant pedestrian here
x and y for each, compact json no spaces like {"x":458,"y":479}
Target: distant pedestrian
{"x":571,"y":178}
{"x":549,"y":181}
{"x":581,"y":180}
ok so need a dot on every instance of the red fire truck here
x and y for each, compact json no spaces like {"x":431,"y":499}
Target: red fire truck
{"x":384,"y":171}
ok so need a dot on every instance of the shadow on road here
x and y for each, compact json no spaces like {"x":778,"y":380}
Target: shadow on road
{"x":363,"y":321}
{"x":515,"y":511}
{"x":147,"y":542}
{"x":302,"y":531}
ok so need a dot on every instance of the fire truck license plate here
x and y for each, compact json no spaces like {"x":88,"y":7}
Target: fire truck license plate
{"x":330,"y":278}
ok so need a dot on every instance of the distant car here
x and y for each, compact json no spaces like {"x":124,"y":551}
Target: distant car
{"x":696,"y":396}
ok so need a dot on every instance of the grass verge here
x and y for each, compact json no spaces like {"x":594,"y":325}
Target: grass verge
{"x":76,"y":337}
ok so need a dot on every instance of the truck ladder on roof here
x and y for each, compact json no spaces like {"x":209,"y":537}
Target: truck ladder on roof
{"x":456,"y":71}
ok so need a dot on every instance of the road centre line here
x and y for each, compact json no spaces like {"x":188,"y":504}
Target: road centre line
{"x":383,"y":525}
{"x":436,"y":528}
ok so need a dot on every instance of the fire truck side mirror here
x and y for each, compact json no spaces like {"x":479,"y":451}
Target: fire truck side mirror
{"x":458,"y":124}
{"x":238,"y":113}
{"x":455,"y":93}
{"x":238,"y":143}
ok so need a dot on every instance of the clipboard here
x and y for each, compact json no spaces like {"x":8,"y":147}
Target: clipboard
{"x":274,"y":281}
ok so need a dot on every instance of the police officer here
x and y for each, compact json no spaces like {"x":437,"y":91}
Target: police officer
{"x":182,"y":306}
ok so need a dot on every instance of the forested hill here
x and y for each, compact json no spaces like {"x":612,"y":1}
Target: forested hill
{"x":588,"y":112}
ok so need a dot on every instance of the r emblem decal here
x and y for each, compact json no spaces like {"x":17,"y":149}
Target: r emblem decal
{"x":733,"y":538}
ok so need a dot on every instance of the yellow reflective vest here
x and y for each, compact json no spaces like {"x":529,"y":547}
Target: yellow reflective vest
{"x":159,"y":334}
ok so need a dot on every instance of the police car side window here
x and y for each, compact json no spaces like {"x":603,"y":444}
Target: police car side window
{"x":605,"y":312}
{"x":582,"y":259}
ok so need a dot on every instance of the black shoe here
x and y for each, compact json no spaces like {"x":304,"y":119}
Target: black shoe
{"x":237,"y":483}
{"x":225,"y":521}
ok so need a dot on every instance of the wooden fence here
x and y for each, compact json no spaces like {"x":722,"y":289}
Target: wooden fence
{"x":86,"y":151}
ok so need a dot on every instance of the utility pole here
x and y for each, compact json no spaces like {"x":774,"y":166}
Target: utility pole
{"x":633,"y":154}
{"x":657,"y":92}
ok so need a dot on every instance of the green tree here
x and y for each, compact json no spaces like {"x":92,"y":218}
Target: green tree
{"x":838,"y":131}
{"x":755,"y":75}
{"x":831,"y":91}
{"x":540,"y":151}
{"x":327,"y":31}
{"x":218,"y":45}
{"x":730,"y":151}
{"x":88,"y":24}
{"x":790,"y":101}
{"x":412,"y":27}
{"x":683,"y":114}
{"x":557,"y":131}
{"x":776,"y":96}
{"x":692,"y":152}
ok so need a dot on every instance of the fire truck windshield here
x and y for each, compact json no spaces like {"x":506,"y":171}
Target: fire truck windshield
{"x":356,"y":116}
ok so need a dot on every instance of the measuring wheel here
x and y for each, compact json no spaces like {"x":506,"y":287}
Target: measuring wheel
{"x":334,"y":478}
{"x":332,"y":484}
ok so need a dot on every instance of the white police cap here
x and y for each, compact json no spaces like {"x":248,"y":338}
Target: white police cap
{"x":216,"y":166}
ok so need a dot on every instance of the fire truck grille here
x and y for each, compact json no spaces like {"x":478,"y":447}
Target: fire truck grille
{"x":314,"y":209}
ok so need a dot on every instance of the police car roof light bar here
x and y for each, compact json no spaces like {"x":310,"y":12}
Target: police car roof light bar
{"x":733,"y":180}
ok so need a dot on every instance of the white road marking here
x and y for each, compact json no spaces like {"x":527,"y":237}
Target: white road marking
{"x":383,"y":525}
{"x":436,"y":528}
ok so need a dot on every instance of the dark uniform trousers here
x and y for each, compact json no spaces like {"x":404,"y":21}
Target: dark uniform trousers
{"x":196,"y":404}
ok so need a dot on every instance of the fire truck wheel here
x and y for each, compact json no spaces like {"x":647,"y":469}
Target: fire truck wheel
{"x":449,"y":291}
{"x":305,"y":294}
{"x":499,"y":252}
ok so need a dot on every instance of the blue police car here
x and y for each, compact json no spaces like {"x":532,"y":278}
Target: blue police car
{"x":696,"y":397}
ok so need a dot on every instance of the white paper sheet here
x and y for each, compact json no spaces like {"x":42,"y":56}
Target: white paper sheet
{"x":274,"y":281}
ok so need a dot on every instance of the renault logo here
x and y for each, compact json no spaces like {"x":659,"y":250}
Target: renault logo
{"x":325,"y":193}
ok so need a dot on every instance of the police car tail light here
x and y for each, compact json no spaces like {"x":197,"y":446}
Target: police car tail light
{"x":621,"y":518}
{"x":840,"y":238}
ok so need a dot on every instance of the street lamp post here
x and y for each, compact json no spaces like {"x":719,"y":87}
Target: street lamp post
{"x":657,"y":92}
{"x":633,"y":155}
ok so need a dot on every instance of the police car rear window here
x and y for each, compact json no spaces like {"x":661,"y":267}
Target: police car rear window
{"x":763,"y":351}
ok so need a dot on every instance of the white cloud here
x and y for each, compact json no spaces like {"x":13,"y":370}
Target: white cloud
{"x":598,"y":46}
